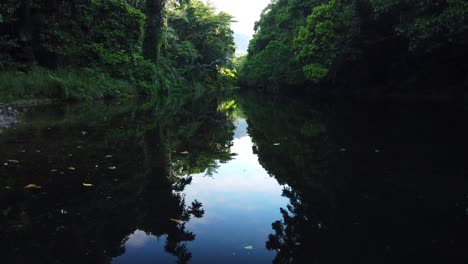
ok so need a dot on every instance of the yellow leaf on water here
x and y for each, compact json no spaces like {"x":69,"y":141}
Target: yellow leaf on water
{"x":71,"y":168}
{"x":180,"y":222}
{"x":32,"y":186}
{"x":87,"y":184}
{"x":112,"y":168}
{"x":249,"y":247}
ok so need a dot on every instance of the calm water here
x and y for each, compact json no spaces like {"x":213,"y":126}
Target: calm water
{"x":245,"y":179}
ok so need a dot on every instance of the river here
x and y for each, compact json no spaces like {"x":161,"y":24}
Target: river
{"x":234,"y":179}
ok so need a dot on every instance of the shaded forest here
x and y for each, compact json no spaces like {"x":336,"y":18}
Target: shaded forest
{"x":360,"y":47}
{"x":84,"y":49}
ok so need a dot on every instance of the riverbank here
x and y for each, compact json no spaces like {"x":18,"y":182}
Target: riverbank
{"x":8,"y":116}
{"x":69,"y":84}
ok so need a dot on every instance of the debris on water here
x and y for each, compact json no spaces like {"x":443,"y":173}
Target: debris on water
{"x":79,"y":147}
{"x":87,"y":184}
{"x":84,"y":133}
{"x":5,"y":164}
{"x":276,"y":144}
{"x":112,"y":168}
{"x":70,"y":155}
{"x":180,"y":222}
{"x":22,"y":151}
{"x":32,"y":186}
{"x":249,"y":247}
{"x":71,"y":168}
{"x":343,"y":150}
{"x":38,"y":151}
{"x":108,"y":156}
{"x":53,"y":170}
{"x":184,"y":152}
{"x":13,"y":161}
{"x":377,"y":151}
{"x":97,"y":166}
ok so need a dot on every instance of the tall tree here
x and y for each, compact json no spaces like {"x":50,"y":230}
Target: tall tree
{"x":155,"y":18}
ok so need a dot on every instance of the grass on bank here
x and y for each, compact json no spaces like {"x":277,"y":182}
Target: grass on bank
{"x":63,"y":84}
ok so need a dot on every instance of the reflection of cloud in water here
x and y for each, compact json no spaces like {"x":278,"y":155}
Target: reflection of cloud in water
{"x":239,"y":183}
{"x":241,"y":128}
{"x":242,"y":174}
{"x":138,"y":239}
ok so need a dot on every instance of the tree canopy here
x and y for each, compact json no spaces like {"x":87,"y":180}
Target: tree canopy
{"x":347,"y":42}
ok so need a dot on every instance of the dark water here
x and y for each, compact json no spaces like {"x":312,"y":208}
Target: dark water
{"x":245,"y":179}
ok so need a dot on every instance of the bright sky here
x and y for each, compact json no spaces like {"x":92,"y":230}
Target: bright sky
{"x":246,"y":12}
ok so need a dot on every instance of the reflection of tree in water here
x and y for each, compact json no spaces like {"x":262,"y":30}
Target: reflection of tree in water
{"x":292,"y":148}
{"x":364,"y":185}
{"x":139,"y":160}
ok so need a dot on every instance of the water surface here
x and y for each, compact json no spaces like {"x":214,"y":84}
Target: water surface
{"x":250,"y":179}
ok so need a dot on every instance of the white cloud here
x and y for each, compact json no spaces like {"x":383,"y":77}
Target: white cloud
{"x":246,"y":12}
{"x":138,"y":239}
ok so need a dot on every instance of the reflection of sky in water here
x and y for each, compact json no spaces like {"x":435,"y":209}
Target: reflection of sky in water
{"x":241,"y":201}
{"x":142,"y":248}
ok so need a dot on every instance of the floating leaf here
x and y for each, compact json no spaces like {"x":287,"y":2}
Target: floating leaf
{"x":180,"y":222}
{"x":53,"y":170}
{"x":87,"y":184}
{"x":13,"y":161}
{"x":71,"y":168}
{"x":38,"y":151}
{"x":276,"y":144}
{"x":249,"y":247}
{"x":112,"y":168}
{"x":32,"y":186}
{"x":5,"y":164}
{"x":79,"y":147}
{"x":109,"y":156}
{"x":70,"y":155}
{"x":184,"y":152}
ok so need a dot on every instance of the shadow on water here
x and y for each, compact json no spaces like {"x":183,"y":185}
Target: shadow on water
{"x":376,"y":183}
{"x":77,"y":180}
{"x":366,"y":183}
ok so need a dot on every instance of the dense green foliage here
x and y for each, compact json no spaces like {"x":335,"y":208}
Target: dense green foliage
{"x":399,"y":44}
{"x":154,"y":45}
